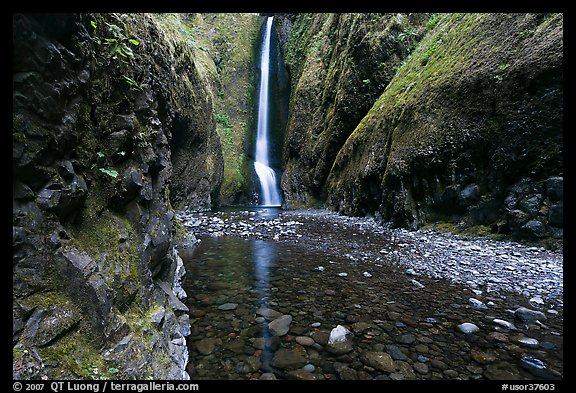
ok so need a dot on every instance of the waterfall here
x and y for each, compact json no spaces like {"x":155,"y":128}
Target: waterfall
{"x":269,"y":185}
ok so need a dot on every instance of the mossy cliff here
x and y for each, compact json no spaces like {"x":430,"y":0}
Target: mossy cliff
{"x":112,"y":121}
{"x":338,"y":65}
{"x":466,"y":128}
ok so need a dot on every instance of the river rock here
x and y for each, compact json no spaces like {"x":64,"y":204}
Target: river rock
{"x":420,"y":368}
{"x":305,"y":341}
{"x":482,"y":357}
{"x":227,"y":306}
{"x":340,"y":347}
{"x":206,"y":346}
{"x":301,"y":375}
{"x":268,"y":377}
{"x":268,"y":313}
{"x":395,"y":352}
{"x":286,"y":359}
{"x":503,"y":323}
{"x":280,"y":326}
{"x":468,"y":328}
{"x":380,"y":361}
{"x":477,"y":304}
{"x":528,"y":315}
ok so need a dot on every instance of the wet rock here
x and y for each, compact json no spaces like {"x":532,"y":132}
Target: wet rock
{"x":301,"y":375}
{"x":420,"y":368}
{"x":340,"y":347}
{"x":305,"y":341}
{"x":505,"y":324}
{"x":417,"y":284}
{"x":44,"y":326}
{"x":528,"y":315}
{"x":528,"y":342}
{"x":477,"y":304}
{"x":537,"y":367}
{"x":286,"y":359}
{"x":249,"y":365}
{"x":502,"y":371}
{"x":468,"y":328}
{"x":268,"y":377}
{"x":406,"y":338}
{"x":206,"y":346}
{"x":268,"y":313}
{"x":227,"y":306}
{"x":321,"y":337}
{"x":438,"y":364}
{"x":482,"y":357}
{"x":534,"y":228}
{"x":395,"y":352}
{"x":555,"y":188}
{"x":379,"y":360}
{"x":280,"y":326}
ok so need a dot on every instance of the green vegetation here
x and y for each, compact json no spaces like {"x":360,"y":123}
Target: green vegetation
{"x":434,"y":19}
{"x":111,"y":239}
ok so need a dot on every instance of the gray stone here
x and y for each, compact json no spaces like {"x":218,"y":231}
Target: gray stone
{"x":280,"y":326}
{"x":206,"y":346}
{"x":305,"y":341}
{"x":468,"y":328}
{"x":477,"y":304}
{"x":340,"y":347}
{"x":309,"y":368}
{"x":268,"y":313}
{"x":555,"y":188}
{"x":420,"y":368}
{"x":44,"y":326}
{"x":227,"y":306}
{"x":286,"y":359}
{"x":395,"y":352}
{"x":529,"y":315}
{"x":528,"y":342}
{"x":534,"y":228}
{"x":249,"y":365}
{"x":556,"y":215}
{"x":505,"y":324}
{"x":406,"y":338}
{"x":268,"y":377}
{"x":380,"y":361}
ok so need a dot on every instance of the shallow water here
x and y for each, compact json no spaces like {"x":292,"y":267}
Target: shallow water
{"x":417,"y":326}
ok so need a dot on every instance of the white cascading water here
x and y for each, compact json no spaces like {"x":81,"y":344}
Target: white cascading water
{"x":266,"y":175}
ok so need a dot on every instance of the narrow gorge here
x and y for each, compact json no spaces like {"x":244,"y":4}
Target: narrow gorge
{"x":287,"y":196}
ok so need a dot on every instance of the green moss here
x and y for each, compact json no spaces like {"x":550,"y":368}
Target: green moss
{"x":179,"y":230}
{"x":46,"y":300}
{"x":104,"y":238}
{"x":76,"y":358}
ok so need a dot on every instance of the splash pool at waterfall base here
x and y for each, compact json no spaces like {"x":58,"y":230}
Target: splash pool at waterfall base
{"x":266,"y":288}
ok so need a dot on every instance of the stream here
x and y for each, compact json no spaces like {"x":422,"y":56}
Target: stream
{"x":267,"y":287}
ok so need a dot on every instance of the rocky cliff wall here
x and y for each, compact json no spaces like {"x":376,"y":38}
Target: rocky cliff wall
{"x":111,"y":120}
{"x":465,"y":126}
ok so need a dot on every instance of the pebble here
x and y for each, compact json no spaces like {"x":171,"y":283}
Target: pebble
{"x":227,"y":306}
{"x":367,"y":275}
{"x":343,"y":274}
{"x":378,"y":317}
{"x":503,"y":323}
{"x":528,"y":342}
{"x":420,"y":368}
{"x":417,"y":284}
{"x":305,"y":341}
{"x":468,"y":328}
{"x":528,"y":315}
{"x":280,"y":326}
{"x":477,"y":304}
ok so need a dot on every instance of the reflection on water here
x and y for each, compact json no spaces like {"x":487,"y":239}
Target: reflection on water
{"x":264,"y":255}
{"x":228,"y":271}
